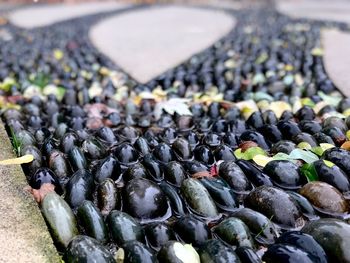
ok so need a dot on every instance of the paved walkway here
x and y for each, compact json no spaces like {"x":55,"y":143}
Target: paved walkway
{"x":38,"y":16}
{"x":337,"y":58}
{"x":148,"y":42}
{"x":336,"y":44}
{"x":336,"y":10}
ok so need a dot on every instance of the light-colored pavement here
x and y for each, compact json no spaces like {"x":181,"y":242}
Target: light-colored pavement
{"x":23,"y":233}
{"x":336,"y":10}
{"x":336,"y":46}
{"x":38,"y":16}
{"x":148,"y":42}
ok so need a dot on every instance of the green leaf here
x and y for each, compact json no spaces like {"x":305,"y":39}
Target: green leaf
{"x":317,"y":150}
{"x":320,"y":149}
{"x":328,"y":163}
{"x":282,"y":156}
{"x":262,"y":58}
{"x":7,"y":84}
{"x":60,"y":93}
{"x":309,"y":171}
{"x":306,"y":156}
{"x":331,"y":100}
{"x":249,"y":154}
{"x":257,"y":96}
{"x":40,"y":79}
{"x":308,"y":102}
{"x":238,"y":153}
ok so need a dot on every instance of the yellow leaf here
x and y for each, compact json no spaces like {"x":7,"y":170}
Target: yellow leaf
{"x":263,"y":105}
{"x":23,"y":159}
{"x":326,"y":146}
{"x":278,"y":107}
{"x":159,"y":93}
{"x":288,"y":67}
{"x":104,"y":71}
{"x":328,"y":163}
{"x":230,"y":63}
{"x":262,"y":160}
{"x":348,"y":134}
{"x":346,"y":113}
{"x":297,"y":105}
{"x":58,"y":54}
{"x":317,"y":51}
{"x":299,"y":79}
{"x":247,"y":107}
{"x":246,"y":112}
{"x":120,"y":255}
{"x":304,"y":146}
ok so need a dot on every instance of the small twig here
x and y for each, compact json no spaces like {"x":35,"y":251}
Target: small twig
{"x":264,"y":227}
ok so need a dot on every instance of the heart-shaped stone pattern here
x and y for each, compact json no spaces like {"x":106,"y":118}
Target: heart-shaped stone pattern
{"x":148,"y":42}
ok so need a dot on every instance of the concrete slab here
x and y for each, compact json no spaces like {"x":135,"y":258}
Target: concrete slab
{"x":336,"y":46}
{"x":146,"y":43}
{"x":337,"y":10}
{"x":24,"y":236}
{"x":43,"y":15}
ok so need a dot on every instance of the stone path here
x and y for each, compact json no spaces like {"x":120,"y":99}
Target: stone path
{"x":23,"y":233}
{"x":148,"y":42}
{"x":337,"y":10}
{"x":144,"y":43}
{"x":38,"y":16}
{"x":337,"y":58}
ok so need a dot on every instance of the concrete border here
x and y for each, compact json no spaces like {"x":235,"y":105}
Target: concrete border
{"x":24,"y":236}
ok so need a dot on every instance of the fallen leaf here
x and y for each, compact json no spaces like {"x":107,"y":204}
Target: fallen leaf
{"x":171,"y":106}
{"x":306,"y":156}
{"x":249,"y":153}
{"x":328,"y":163}
{"x":246,"y":145}
{"x":201,"y":174}
{"x":58,"y":54}
{"x":20,"y":160}
{"x":321,"y":148}
{"x":304,"y":146}
{"x":331,"y":100}
{"x":39,"y":194}
{"x":346,"y":145}
{"x":262,"y":160}
{"x":278,"y":107}
{"x":317,"y":51}
{"x":120,"y":255}
{"x":309,"y":171}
